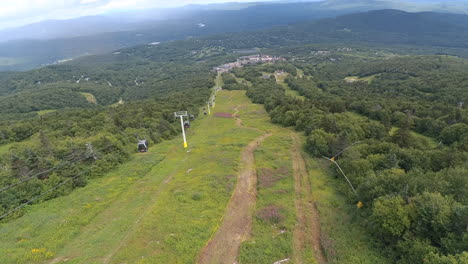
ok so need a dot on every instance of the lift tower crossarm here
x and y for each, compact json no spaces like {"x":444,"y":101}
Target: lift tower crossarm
{"x":182,"y":114}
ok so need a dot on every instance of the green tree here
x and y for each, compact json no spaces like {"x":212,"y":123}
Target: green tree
{"x":432,"y":214}
{"x":434,"y":258}
{"x":391,"y":215}
{"x":454,"y":133}
{"x":320,"y":143}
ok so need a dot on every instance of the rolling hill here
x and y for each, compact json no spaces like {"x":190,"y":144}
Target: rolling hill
{"x":51,"y":41}
{"x":384,"y":27}
{"x":109,"y":78}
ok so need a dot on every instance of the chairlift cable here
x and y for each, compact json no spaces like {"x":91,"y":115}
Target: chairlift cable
{"x":342,"y":172}
{"x":47,"y":171}
{"x":42,"y":194}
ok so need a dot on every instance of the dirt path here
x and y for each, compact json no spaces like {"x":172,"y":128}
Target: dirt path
{"x":307,"y":231}
{"x":236,"y":116}
{"x":236,"y":225}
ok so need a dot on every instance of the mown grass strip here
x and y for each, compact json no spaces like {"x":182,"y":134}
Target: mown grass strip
{"x":343,"y":239}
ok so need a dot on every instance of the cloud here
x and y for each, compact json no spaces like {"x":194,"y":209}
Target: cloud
{"x":84,"y":2}
{"x":20,"y":12}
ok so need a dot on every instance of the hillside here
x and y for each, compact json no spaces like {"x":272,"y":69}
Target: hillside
{"x":397,"y":27}
{"x":114,"y":76}
{"x":49,"y":42}
{"x":293,"y":193}
{"x":381,"y":27}
{"x":350,"y":148}
{"x":52,"y":41}
{"x":129,"y":214}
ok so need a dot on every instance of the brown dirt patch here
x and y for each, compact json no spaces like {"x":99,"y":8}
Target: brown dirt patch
{"x":307,"y":233}
{"x":236,"y":225}
{"x":236,"y":115}
{"x":223,"y":115}
{"x":268,"y":177}
{"x":271,"y":214}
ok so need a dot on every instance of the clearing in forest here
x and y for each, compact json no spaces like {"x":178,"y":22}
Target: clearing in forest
{"x":163,"y":207}
{"x":307,"y":231}
{"x":237,"y":220}
{"x":90,"y":98}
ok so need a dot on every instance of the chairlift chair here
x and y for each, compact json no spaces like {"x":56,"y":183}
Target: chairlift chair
{"x":186,"y":124}
{"x":143,"y":145}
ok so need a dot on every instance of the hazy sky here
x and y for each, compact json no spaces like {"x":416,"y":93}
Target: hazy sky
{"x":19,"y":12}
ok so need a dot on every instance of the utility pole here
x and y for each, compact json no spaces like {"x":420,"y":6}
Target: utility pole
{"x":181,"y":114}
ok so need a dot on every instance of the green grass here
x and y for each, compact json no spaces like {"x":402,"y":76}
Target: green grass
{"x":219,"y":82}
{"x":90,"y":98}
{"x":151,"y":207}
{"x":270,"y":241}
{"x":292,"y":93}
{"x":5,"y":148}
{"x":120,"y":102}
{"x":421,"y":140}
{"x":208,"y":52}
{"x":344,"y":239}
{"x":163,"y":206}
{"x":45,"y":112}
{"x":300,"y":73}
{"x":33,"y":140}
{"x":48,"y":227}
{"x":242,"y":80}
{"x":188,"y":212}
{"x":347,"y":241}
{"x":288,"y":90}
{"x":367,"y":79}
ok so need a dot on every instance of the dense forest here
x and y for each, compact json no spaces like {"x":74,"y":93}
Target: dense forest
{"x":77,"y":145}
{"x":50,"y":134}
{"x":129,"y":75}
{"x":101,"y":34}
{"x":137,"y":72}
{"x":399,"y":130}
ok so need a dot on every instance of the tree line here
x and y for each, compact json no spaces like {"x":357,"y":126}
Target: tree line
{"x":411,"y":177}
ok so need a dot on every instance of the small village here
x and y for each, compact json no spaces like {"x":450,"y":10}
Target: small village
{"x":247,"y":60}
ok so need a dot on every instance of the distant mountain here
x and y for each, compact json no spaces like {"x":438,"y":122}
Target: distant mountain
{"x":52,"y":41}
{"x":82,"y":26}
{"x":382,"y":27}
{"x":387,"y":29}
{"x":395,"y":27}
{"x":139,"y":19}
{"x":101,"y":34}
{"x":112,"y":22}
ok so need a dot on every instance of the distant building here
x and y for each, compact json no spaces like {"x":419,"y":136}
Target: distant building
{"x":279,"y":72}
{"x":247,"y":60}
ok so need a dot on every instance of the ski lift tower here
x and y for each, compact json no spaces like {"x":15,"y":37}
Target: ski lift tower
{"x":182,"y":114}
{"x":208,"y":104}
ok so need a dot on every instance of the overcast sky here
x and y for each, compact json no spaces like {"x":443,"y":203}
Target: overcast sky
{"x":19,"y":12}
